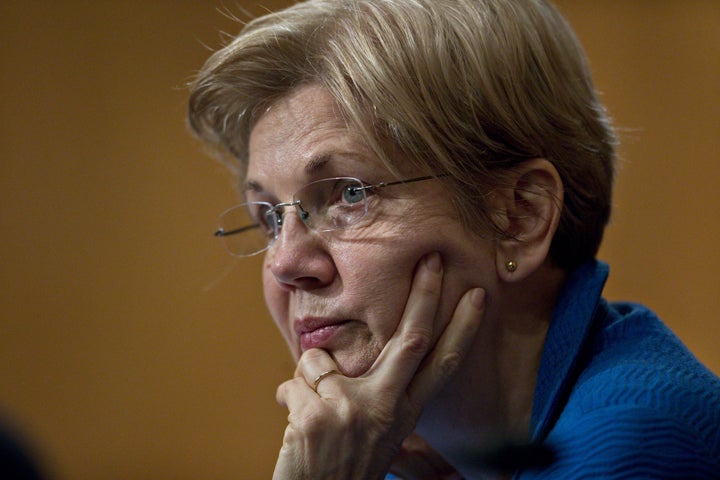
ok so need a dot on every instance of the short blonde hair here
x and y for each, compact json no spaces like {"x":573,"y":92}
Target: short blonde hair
{"x":467,"y":88}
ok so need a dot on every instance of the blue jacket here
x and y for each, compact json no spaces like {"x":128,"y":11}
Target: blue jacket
{"x":618,"y":395}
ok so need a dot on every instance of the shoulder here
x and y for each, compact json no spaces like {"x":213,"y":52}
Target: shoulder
{"x":633,"y":359}
{"x":630,"y":441}
{"x":641,"y":403}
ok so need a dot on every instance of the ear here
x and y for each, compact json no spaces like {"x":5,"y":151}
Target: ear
{"x":528,"y":211}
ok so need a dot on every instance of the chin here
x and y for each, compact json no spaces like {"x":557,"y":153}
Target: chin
{"x":353,"y":365}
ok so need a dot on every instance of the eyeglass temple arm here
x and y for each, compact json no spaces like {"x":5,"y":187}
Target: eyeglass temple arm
{"x":399,"y":182}
{"x":224,"y":233}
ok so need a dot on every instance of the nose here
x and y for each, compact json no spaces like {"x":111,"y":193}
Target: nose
{"x":299,"y":259}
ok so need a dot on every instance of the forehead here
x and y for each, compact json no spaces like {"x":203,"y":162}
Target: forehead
{"x":302,"y":135}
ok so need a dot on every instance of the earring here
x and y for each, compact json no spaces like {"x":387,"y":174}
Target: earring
{"x":511,"y":265}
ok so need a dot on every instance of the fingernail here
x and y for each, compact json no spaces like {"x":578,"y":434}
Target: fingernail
{"x":433,"y":262}
{"x":477,"y":298}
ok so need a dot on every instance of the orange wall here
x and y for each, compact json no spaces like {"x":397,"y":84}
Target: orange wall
{"x":132,"y":347}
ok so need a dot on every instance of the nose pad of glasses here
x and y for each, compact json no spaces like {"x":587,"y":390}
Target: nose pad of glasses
{"x":302,"y":213}
{"x":279,"y":214}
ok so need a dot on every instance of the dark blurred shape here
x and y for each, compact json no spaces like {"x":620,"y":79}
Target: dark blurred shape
{"x":509,"y":457}
{"x":16,"y":462}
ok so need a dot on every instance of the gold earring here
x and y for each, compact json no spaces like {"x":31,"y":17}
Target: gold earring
{"x":511,"y":265}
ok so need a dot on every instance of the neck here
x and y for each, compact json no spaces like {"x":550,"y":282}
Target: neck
{"x":488,"y":404}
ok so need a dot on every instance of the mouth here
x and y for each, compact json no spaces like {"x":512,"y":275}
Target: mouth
{"x":315,"y":332}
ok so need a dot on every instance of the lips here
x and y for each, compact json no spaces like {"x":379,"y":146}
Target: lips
{"x":317,"y":332}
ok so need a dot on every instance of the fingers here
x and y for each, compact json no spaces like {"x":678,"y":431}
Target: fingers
{"x":413,"y":338}
{"x":323,"y":376}
{"x":450,"y":349}
{"x":315,"y":366}
{"x":312,"y":374}
{"x":294,"y":392}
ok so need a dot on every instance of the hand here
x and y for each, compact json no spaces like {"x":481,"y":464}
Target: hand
{"x":352,"y":428}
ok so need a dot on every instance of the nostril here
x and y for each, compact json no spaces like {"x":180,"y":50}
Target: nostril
{"x":301,"y":283}
{"x":308,"y":273}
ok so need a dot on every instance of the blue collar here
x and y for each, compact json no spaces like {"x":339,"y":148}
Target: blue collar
{"x":571,"y":322}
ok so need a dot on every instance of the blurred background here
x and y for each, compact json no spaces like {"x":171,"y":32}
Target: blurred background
{"x":133,"y":347}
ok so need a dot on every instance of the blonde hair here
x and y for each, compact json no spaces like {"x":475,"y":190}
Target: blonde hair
{"x":467,"y":88}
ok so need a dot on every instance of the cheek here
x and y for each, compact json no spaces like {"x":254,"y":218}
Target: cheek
{"x":376,"y":278}
{"x":468,"y":262}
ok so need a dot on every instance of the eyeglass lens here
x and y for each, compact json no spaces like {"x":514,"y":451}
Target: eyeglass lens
{"x":324,"y":205}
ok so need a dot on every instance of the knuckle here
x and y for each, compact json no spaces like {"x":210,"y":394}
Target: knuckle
{"x":318,"y":421}
{"x":448,"y":364}
{"x":307,"y":420}
{"x":348,"y":413}
{"x":314,"y":354}
{"x":309,"y":357}
{"x":429,"y":288}
{"x":417,"y":341}
{"x":281,"y":390}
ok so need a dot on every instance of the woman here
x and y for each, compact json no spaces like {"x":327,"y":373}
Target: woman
{"x":429,"y":181}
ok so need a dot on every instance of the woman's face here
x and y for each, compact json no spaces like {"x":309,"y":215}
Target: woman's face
{"x":345,"y":291}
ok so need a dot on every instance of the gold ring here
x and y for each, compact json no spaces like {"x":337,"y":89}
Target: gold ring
{"x":320,"y":378}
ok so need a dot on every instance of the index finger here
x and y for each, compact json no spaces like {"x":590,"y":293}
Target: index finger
{"x":451,"y":348}
{"x":413,"y":338}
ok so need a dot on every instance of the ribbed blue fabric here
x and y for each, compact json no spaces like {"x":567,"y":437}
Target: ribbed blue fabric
{"x":619,"y":396}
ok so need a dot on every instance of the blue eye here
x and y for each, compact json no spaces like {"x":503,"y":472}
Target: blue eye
{"x":353,"y":194}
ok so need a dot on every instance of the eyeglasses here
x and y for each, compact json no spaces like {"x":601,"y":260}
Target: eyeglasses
{"x":323,"y":206}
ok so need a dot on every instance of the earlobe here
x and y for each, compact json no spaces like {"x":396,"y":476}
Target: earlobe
{"x":529,"y":216}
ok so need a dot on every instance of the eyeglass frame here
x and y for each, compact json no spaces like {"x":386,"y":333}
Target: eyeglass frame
{"x":278,"y":209}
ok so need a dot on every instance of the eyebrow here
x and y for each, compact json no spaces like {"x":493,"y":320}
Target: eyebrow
{"x":315,"y":165}
{"x":252,"y":185}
